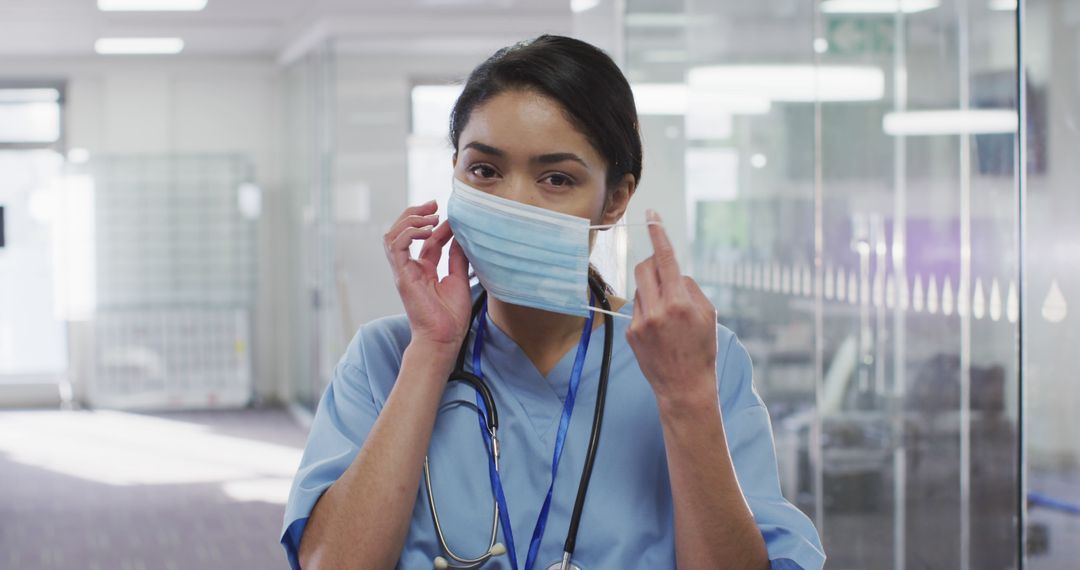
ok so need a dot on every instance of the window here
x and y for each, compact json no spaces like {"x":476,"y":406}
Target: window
{"x":30,"y":116}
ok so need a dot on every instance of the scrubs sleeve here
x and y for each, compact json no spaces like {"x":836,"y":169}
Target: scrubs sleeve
{"x":790,"y":536}
{"x":344,"y":417}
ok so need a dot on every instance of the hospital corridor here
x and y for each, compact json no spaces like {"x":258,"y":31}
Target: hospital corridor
{"x":110,"y":489}
{"x":539,"y":284}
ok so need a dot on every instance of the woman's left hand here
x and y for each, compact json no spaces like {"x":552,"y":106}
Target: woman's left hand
{"x":673,"y":332}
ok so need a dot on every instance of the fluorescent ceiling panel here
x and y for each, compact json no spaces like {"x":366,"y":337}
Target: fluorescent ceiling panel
{"x":151,"y":5}
{"x":681,"y":99}
{"x":661,"y":98}
{"x":877,"y":6}
{"x":792,"y":83}
{"x":29,"y":95}
{"x":950,"y":122}
{"x":138,"y":46}
{"x":578,"y":6}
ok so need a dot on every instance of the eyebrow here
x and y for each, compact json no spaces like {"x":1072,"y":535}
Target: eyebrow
{"x":550,"y":158}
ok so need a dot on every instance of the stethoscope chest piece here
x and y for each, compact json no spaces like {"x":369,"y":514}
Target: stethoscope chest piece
{"x":558,"y":566}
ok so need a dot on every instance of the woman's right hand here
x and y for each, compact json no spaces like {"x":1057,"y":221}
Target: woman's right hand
{"x":438,"y":310}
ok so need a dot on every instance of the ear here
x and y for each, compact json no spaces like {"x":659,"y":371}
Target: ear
{"x":616,"y":202}
{"x":453,"y":161}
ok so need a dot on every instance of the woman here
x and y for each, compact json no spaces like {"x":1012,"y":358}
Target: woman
{"x":546,"y":147}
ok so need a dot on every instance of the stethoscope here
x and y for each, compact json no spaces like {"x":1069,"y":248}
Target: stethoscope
{"x":459,"y":374}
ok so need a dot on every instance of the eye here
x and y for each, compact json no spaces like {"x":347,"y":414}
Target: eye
{"x":482,"y":170}
{"x":559,"y":180}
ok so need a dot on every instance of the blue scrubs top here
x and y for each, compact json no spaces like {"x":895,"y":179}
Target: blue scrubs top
{"x":628,"y":517}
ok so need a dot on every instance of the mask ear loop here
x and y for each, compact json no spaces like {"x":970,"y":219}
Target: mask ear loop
{"x":612,"y":313}
{"x":607,"y":227}
{"x":625,"y":225}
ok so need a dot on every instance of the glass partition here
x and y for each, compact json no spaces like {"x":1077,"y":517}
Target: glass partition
{"x":846,"y":173}
{"x":1051,"y":77}
{"x":309,"y":121}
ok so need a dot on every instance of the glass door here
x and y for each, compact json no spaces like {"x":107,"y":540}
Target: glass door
{"x":33,"y":341}
{"x":33,"y":345}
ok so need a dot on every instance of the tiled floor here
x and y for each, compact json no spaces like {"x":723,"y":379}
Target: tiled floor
{"x":109,"y":490}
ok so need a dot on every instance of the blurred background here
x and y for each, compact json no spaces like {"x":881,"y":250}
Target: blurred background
{"x":878,"y":196}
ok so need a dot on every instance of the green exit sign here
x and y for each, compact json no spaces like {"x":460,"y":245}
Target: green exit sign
{"x":861,"y":34}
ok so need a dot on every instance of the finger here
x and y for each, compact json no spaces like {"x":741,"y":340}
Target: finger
{"x":424,"y":209}
{"x":636,"y":318}
{"x":433,"y":246}
{"x":412,"y":221}
{"x":699,"y":297}
{"x":639,"y":306}
{"x":667,"y":267}
{"x":648,"y":287}
{"x":399,"y":248}
{"x":404,"y":239}
{"x":409,"y":221}
{"x":459,"y":265}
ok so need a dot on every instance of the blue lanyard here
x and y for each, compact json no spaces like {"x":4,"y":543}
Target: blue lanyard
{"x":560,"y":440}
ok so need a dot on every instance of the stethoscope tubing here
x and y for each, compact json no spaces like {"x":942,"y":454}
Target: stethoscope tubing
{"x":460,"y":375}
{"x":598,"y":420}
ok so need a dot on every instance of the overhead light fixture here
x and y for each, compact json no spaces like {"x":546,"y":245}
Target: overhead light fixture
{"x":661,"y":98}
{"x":710,"y":101}
{"x":950,"y":122}
{"x":35,"y":95}
{"x":138,"y":46}
{"x":792,"y":83}
{"x":151,"y":5}
{"x":877,"y":6}
{"x":1003,"y":5}
{"x":578,"y":6}
{"x":682,"y":99}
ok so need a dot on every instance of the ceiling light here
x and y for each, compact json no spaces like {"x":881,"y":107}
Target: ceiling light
{"x":29,"y":95}
{"x":151,"y":5}
{"x":1003,"y":5}
{"x":951,"y":122}
{"x":578,"y":6}
{"x":681,"y":99}
{"x":138,"y":46}
{"x":792,"y":83}
{"x":877,"y":6}
{"x":660,"y":98}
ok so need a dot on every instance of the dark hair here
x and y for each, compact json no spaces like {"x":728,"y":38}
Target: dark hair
{"x":583,"y":79}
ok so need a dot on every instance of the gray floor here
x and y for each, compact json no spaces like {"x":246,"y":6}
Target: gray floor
{"x":105,"y":490}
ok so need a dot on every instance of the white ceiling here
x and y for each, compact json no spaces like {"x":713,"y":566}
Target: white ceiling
{"x":264,"y":27}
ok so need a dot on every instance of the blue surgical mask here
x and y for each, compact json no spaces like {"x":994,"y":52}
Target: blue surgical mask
{"x":522,"y":254}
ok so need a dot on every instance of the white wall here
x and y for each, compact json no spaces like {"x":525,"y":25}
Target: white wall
{"x":373,"y":110}
{"x":190,"y":105}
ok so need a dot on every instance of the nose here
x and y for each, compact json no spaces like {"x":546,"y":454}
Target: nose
{"x":519,"y":189}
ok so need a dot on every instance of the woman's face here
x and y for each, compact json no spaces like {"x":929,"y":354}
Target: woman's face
{"x":519,"y":145}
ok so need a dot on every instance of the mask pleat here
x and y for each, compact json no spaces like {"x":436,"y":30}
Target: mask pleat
{"x":522,"y":254}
